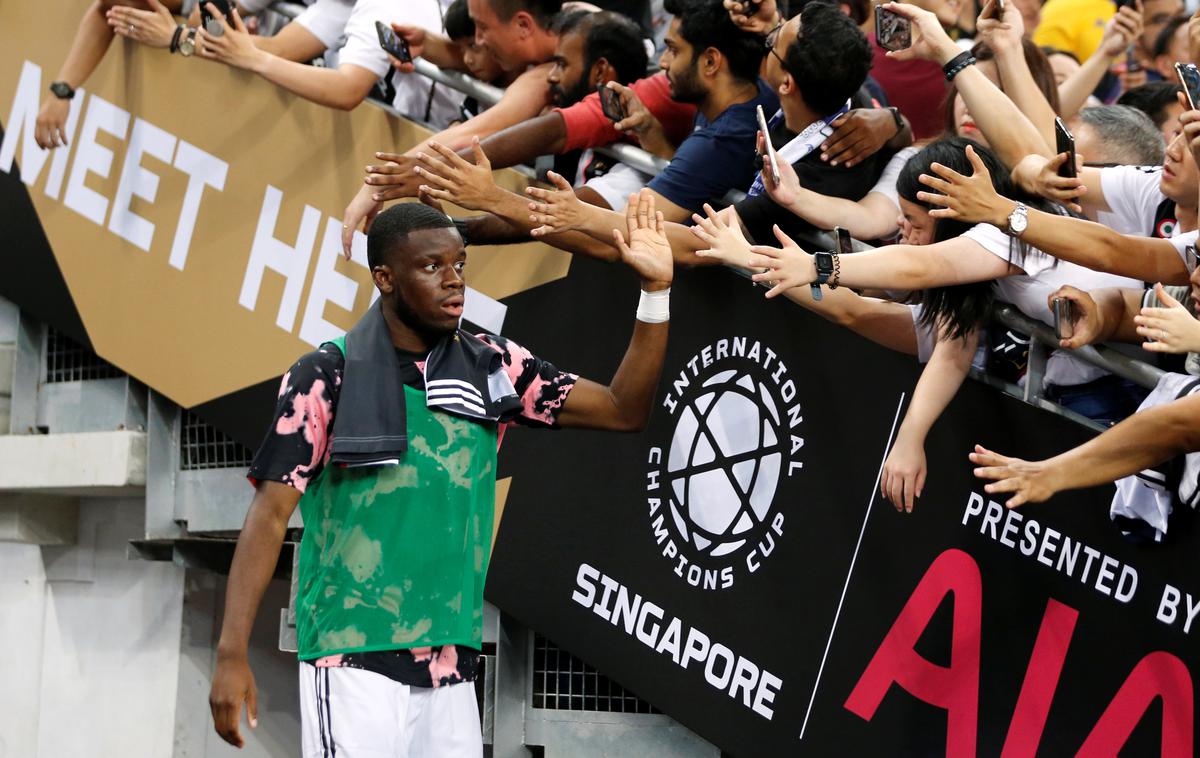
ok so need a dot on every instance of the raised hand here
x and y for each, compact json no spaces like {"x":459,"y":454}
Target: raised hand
{"x":787,"y":267}
{"x":394,"y":178}
{"x":722,"y":232}
{"x":155,"y":27}
{"x":1170,"y":329}
{"x":647,"y":250}
{"x":1001,"y":34}
{"x":787,"y":191}
{"x":1085,"y":316}
{"x":1030,"y":481}
{"x":456,"y":180}
{"x":415,"y":37}
{"x":1039,"y":176}
{"x":233,"y":46}
{"x":1121,"y":31}
{"x":558,"y":210}
{"x":929,"y":39}
{"x":972,"y":199}
{"x":765,"y":17}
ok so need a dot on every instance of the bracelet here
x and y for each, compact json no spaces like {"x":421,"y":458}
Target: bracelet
{"x":464,"y":230}
{"x":836,"y":276}
{"x":654,"y":307}
{"x":957,"y":64}
{"x":175,"y":39}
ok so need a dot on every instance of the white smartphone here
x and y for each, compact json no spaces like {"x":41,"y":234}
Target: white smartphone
{"x":770,"y":156}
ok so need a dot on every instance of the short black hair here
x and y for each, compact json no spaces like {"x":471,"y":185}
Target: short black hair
{"x":458,"y":22}
{"x":612,"y":36}
{"x":543,"y":11}
{"x":1152,"y":99}
{"x":706,"y":23}
{"x":829,"y":59}
{"x":1163,"y":41}
{"x":396,"y":223}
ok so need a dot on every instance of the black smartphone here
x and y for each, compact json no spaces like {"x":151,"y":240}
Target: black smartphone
{"x":1066,"y":144}
{"x":1189,"y":75}
{"x":892,"y":31}
{"x":1125,"y":3}
{"x":610,"y":103}
{"x":392,"y":44}
{"x":996,"y":11}
{"x":211,"y":25}
{"x":845,"y":245}
{"x":1064,"y":318}
{"x":1132,"y":64}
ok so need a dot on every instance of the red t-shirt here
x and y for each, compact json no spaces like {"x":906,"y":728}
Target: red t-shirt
{"x":588,"y":127}
{"x":917,"y":88}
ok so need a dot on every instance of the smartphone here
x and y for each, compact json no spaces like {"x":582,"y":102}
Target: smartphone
{"x":1189,"y":75}
{"x":772,"y":158}
{"x":1132,"y":64}
{"x":610,"y":103}
{"x":395,"y":46}
{"x":1064,"y":313}
{"x":892,"y":31}
{"x":845,"y":245}
{"x":1125,"y":3}
{"x":211,"y":24}
{"x":1066,"y":144}
{"x":997,"y":10}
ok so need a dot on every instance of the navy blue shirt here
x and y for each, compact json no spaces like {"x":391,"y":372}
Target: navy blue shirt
{"x":716,"y":157}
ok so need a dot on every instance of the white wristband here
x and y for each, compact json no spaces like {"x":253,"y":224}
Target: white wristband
{"x":654,"y":307}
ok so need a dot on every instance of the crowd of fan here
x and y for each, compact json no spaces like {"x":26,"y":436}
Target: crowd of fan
{"x":943,"y":155}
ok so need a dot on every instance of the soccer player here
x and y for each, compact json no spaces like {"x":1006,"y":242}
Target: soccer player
{"x":386,"y":439}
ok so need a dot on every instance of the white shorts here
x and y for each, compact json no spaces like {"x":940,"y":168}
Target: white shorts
{"x":351,"y":713}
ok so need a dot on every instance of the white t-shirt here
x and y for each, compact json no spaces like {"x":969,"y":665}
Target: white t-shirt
{"x":1029,"y":293}
{"x":326,"y":20}
{"x":412,"y":91}
{"x":886,"y":185}
{"x":1133,"y":194}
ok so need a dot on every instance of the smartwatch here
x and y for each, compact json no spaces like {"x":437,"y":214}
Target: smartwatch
{"x":825,"y":266}
{"x":899,"y":121}
{"x":62,"y":90}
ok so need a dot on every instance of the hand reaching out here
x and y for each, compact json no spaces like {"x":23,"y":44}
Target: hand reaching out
{"x":415,"y":37}
{"x":1039,"y":176}
{"x":233,"y":46}
{"x":929,"y":39}
{"x":722,"y":232}
{"x":395,"y":178}
{"x":788,"y":190}
{"x":559,"y":210}
{"x":972,"y":199}
{"x":647,"y":250}
{"x":857,"y":135}
{"x":452,"y":178}
{"x":50,"y":129}
{"x":787,"y":267}
{"x":1121,"y":31}
{"x":1030,"y":481}
{"x":1170,"y":329}
{"x":361,"y":211}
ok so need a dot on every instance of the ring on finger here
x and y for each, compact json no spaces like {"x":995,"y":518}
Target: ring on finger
{"x":132,"y":28}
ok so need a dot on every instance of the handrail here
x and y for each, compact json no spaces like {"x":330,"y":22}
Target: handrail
{"x":1042,"y":337}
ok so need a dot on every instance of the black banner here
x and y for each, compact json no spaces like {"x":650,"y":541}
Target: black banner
{"x":734,"y":564}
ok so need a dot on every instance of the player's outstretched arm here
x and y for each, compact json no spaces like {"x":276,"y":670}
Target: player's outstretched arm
{"x":1145,"y":439}
{"x":253,"y":565}
{"x":624,"y":405}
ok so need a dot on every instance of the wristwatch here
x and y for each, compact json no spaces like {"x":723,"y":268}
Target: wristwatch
{"x":899,"y":121}
{"x":1018,"y":220}
{"x":187,"y":45}
{"x":825,"y":263}
{"x":62,"y":90}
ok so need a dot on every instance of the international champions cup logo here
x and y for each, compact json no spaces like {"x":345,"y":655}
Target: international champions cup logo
{"x":735,"y":436}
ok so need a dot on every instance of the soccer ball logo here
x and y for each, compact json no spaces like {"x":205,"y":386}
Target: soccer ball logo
{"x":724,"y":464}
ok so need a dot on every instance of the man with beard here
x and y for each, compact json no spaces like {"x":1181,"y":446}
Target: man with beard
{"x":386,"y":438}
{"x":708,"y":62}
{"x":591,"y":49}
